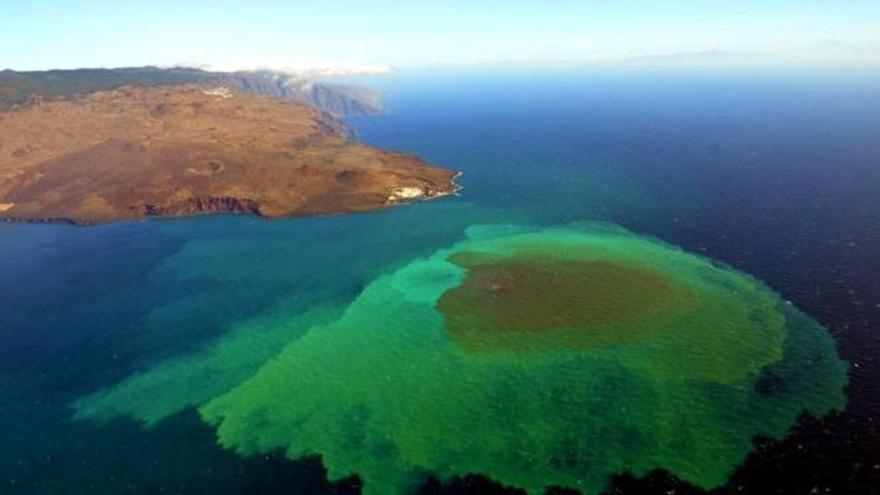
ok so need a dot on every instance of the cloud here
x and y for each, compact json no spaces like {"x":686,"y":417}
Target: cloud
{"x":303,"y":69}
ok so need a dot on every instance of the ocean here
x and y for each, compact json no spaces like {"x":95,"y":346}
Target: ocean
{"x":112,"y":337}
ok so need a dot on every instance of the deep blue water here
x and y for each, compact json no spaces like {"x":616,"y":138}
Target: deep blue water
{"x":775,"y":174}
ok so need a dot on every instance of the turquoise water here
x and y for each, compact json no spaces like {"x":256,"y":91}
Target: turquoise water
{"x":768,"y":176}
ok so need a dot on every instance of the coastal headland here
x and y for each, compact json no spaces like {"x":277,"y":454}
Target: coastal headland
{"x":136,"y":152}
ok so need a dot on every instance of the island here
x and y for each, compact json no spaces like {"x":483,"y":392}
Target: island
{"x":135,"y":152}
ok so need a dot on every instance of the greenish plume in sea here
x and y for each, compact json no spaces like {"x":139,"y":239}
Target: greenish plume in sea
{"x":536,"y":356}
{"x":190,"y":380}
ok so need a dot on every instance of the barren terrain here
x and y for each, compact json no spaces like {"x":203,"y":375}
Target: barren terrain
{"x":137,"y":152}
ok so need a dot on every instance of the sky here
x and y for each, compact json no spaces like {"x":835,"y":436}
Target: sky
{"x":374,"y":34}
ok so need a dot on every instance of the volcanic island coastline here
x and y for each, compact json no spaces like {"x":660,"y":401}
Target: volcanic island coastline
{"x":168,"y":151}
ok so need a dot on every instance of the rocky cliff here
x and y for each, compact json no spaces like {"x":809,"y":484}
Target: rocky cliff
{"x":20,"y":88}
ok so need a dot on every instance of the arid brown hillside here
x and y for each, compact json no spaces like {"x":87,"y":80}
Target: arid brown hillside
{"x":136,"y":152}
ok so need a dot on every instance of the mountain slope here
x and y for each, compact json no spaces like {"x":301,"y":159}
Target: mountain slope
{"x":19,"y":88}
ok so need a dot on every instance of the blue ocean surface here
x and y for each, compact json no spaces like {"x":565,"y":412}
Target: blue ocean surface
{"x":775,"y":174}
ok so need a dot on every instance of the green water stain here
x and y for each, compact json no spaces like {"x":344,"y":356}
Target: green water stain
{"x":388,"y":393}
{"x":192,"y":379}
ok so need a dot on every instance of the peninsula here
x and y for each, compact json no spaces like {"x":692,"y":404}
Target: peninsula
{"x":135,"y":152}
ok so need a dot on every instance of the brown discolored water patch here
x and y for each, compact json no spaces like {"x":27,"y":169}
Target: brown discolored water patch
{"x":508,"y":302}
